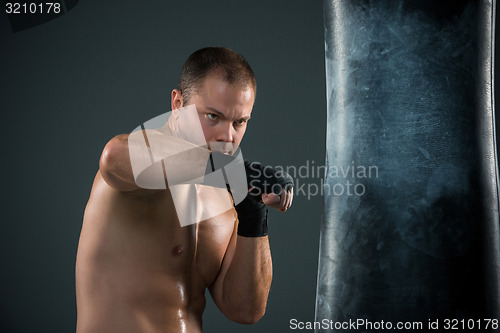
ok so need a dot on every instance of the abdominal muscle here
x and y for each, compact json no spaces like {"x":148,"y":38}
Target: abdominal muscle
{"x":137,"y":270}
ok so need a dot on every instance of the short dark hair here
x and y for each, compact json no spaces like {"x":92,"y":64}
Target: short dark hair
{"x":231,"y":65}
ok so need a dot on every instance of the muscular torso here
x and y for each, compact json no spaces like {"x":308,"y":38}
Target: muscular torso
{"x":138,"y":270}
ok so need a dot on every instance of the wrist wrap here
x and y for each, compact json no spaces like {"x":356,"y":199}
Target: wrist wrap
{"x":252,"y":218}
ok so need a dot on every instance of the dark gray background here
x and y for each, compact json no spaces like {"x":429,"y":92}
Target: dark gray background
{"x":103,"y":68}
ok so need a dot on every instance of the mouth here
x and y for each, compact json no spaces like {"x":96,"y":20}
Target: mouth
{"x":225,"y":148}
{"x":220,"y":151}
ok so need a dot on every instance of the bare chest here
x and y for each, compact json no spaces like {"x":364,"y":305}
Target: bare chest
{"x":144,"y":237}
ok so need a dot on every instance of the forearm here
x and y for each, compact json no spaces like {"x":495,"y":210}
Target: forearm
{"x":242,"y":288}
{"x":247,"y":280}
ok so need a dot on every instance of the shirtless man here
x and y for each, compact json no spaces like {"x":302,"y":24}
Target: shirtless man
{"x":137,"y":269}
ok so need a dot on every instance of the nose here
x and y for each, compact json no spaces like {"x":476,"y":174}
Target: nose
{"x":225,"y":134}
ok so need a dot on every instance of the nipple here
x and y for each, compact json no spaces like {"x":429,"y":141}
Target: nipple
{"x":177,"y":251}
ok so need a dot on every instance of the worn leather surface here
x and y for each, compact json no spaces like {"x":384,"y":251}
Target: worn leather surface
{"x":409,"y":89}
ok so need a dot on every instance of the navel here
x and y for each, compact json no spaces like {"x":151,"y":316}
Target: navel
{"x":177,"y":250}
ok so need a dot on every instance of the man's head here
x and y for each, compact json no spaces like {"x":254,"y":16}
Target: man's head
{"x":221,"y":84}
{"x":231,"y":66}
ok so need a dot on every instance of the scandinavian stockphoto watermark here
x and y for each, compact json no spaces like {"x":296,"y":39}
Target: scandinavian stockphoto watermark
{"x":363,"y":325}
{"x":341,"y":180}
{"x":170,"y":151}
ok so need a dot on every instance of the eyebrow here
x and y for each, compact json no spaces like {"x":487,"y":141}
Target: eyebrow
{"x":220,"y":114}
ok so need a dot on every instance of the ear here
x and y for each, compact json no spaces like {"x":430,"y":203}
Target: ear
{"x":177,"y":100}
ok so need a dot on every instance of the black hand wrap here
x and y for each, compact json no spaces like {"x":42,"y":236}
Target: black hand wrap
{"x":252,"y":213}
{"x":252,"y":216}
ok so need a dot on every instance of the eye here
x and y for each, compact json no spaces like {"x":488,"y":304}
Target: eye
{"x":212,"y":116}
{"x":240,"y":122}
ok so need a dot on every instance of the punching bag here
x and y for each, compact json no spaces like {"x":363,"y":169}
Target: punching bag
{"x":410,"y":232}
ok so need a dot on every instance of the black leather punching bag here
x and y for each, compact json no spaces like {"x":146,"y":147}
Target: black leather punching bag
{"x":411,"y":227}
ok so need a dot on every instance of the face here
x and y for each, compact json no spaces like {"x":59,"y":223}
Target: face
{"x":223,"y":109}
